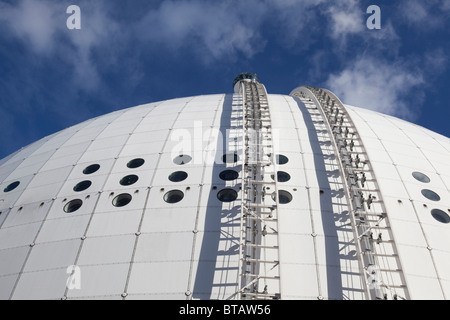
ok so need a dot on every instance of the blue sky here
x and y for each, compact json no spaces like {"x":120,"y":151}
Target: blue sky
{"x":139,"y":51}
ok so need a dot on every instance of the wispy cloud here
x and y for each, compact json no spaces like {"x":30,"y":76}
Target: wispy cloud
{"x":346,"y":18}
{"x":424,"y":16}
{"x":32,"y":21}
{"x":214,"y":30}
{"x":377,"y":85}
{"x":41,"y":25}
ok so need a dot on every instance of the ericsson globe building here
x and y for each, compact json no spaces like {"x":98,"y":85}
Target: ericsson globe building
{"x":246,"y":195}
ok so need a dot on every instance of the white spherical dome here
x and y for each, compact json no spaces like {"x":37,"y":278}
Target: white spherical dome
{"x":145,"y":203}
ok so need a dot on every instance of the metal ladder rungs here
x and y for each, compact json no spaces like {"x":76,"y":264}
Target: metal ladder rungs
{"x":272,"y":296}
{"x":262,"y":182}
{"x":260,"y":276}
{"x":261,"y":261}
{"x":258,"y":246}
{"x":390,"y":270}
{"x":392,"y":255}
{"x":262,"y":219}
{"x":256,"y":205}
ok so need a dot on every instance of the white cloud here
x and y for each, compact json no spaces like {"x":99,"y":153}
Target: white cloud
{"x":216,"y":29}
{"x":424,"y":15}
{"x":42,"y":26}
{"x":435,"y":61}
{"x":32,"y":21}
{"x":376,"y":85}
{"x":347,"y":18}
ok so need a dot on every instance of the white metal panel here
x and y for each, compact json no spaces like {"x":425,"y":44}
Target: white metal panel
{"x":170,"y":219}
{"x":28,"y":213}
{"x":163,"y":247}
{"x":303,"y":285}
{"x":67,"y":189}
{"x":114,"y":179}
{"x":110,"y":142}
{"x":52,"y":255}
{"x":7,"y":285}
{"x":57,"y":210}
{"x":106,"y":250}
{"x":101,"y":280}
{"x":49,"y":284}
{"x":121,"y":164}
{"x":103,"y":154}
{"x":10,"y":198}
{"x":114,"y":223}
{"x":18,"y":236}
{"x":12,"y":260}
{"x":155,"y":278}
{"x":77,"y":172}
{"x":63,"y":229}
{"x":424,"y":288}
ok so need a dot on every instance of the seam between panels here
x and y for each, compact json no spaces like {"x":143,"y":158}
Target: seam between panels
{"x":49,"y":209}
{"x":144,"y":210}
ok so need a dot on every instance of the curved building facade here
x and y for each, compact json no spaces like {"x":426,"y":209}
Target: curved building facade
{"x":230,"y":196}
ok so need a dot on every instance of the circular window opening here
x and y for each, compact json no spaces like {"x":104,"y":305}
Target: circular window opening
{"x":440,"y":216}
{"x":178,"y":176}
{"x":135,"y":163}
{"x":173,"y":196}
{"x":73,"y":206}
{"x":129,"y":180}
{"x":82,"y":186}
{"x":431,"y":195}
{"x":419,"y":176}
{"x":227,"y":195}
{"x":282,"y":176}
{"x":281,"y":159}
{"x":229,"y":175}
{"x":182,"y":159}
{"x":122,"y":200}
{"x":283,"y":197}
{"x":12,"y":186}
{"x":230,"y":158}
{"x":91,"y":169}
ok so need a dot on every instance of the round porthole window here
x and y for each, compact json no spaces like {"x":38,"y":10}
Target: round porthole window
{"x":230,"y":158}
{"x":12,"y":186}
{"x":227,"y":195}
{"x":91,"y":169}
{"x":282,"y":176}
{"x":283,"y":197}
{"x":182,"y":159}
{"x":73,"y":206}
{"x":83,"y":185}
{"x":174,"y":196}
{"x":122,"y":200}
{"x":229,"y":175}
{"x":178,"y":176}
{"x":282,"y":159}
{"x":135,"y":163}
{"x":129,"y":180}
{"x":431,"y":195}
{"x":440,"y":216}
{"x":419,"y":176}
